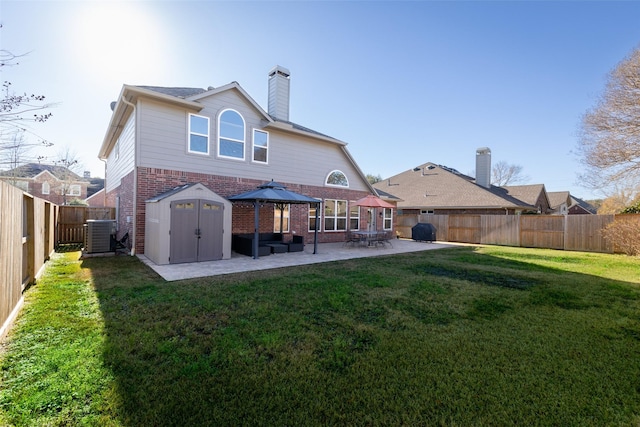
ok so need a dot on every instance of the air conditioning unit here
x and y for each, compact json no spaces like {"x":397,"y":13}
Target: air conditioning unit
{"x":97,"y":236}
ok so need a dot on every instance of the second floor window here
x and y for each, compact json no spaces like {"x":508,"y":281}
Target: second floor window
{"x":198,"y":134}
{"x":231,"y":135}
{"x":46,"y":188}
{"x":260,"y":146}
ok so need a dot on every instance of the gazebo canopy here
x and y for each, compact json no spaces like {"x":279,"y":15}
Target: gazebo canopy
{"x":274,"y":192}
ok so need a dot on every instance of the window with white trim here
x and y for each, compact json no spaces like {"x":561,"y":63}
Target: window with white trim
{"x":285,"y":219}
{"x":231,"y":135}
{"x":387,"y":219}
{"x":335,"y":215}
{"x":198,"y":134}
{"x":337,"y":178}
{"x":260,"y":146}
{"x":354,"y":218}
{"x":312,"y":217}
{"x":46,"y":188}
{"x":74,"y":190}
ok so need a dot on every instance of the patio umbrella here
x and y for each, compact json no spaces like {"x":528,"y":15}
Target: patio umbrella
{"x":371,"y":201}
{"x":274,"y":192}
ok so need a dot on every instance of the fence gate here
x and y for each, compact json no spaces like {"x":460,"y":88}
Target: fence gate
{"x":196,"y":231}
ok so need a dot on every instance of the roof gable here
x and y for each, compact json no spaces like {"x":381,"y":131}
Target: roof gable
{"x":435,"y":186}
{"x":32,"y":170}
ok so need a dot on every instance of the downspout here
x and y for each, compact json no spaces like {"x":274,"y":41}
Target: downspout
{"x":135,"y":177}
{"x":104,"y":187}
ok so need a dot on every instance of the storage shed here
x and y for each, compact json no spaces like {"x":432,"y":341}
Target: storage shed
{"x":189,"y":223}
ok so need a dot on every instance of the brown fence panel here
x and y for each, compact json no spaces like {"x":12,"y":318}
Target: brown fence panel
{"x":440,"y":222}
{"x":465,"y":228}
{"x":10,"y":249}
{"x":542,"y":231}
{"x":584,"y":233}
{"x":500,"y":230}
{"x":71,"y":220}
{"x":404,"y":224}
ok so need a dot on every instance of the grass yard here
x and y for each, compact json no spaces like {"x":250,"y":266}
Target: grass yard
{"x":464,"y":336}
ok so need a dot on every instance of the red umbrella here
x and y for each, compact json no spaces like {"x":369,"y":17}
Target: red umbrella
{"x":372,"y":201}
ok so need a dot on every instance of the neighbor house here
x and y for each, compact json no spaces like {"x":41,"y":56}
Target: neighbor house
{"x":581,"y":207}
{"x":56,"y":184}
{"x":435,"y":189}
{"x":175,"y":144}
{"x":560,"y":202}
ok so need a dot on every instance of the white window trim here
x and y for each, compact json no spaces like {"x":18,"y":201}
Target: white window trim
{"x":46,"y":188}
{"x":189,"y":150}
{"x":74,"y":190}
{"x":287,"y":216}
{"x":335,"y":217}
{"x":244,"y":140}
{"x":354,"y":217}
{"x":385,"y":218}
{"x":326,"y":180}
{"x":253,"y":146}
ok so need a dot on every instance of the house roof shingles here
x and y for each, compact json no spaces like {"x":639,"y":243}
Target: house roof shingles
{"x":435,"y":186}
{"x":31,"y":170}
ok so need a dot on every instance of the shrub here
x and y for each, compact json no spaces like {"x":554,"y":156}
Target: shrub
{"x":624,"y":234}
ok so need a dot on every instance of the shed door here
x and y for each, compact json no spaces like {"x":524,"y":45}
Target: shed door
{"x":196,"y":231}
{"x":210,"y":224}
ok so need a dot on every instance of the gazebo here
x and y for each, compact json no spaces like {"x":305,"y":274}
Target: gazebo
{"x":274,"y":192}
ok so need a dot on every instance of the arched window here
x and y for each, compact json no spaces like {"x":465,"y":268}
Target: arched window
{"x":337,"y":178}
{"x":231,"y":135}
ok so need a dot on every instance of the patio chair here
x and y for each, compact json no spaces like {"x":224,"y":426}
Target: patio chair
{"x":352,"y":240}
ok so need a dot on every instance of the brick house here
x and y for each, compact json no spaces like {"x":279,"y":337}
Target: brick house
{"x":56,"y":184}
{"x":161,"y":138}
{"x":436,"y":189}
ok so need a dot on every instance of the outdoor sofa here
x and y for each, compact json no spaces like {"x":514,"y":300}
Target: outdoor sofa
{"x":267,"y":243}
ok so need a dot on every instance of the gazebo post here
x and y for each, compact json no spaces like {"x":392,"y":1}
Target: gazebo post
{"x":256,"y":233}
{"x":315,"y":232}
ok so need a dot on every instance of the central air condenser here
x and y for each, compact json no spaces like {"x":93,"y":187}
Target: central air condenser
{"x":98,"y":235}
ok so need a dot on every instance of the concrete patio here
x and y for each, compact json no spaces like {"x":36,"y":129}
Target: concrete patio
{"x":326,"y":252}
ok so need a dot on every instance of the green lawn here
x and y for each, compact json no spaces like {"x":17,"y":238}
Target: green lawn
{"x":465,"y":336}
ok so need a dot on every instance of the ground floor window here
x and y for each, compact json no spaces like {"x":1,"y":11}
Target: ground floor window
{"x":312,"y":217}
{"x":286,"y":214}
{"x":354,"y":218}
{"x":388,"y":218}
{"x":335,"y":215}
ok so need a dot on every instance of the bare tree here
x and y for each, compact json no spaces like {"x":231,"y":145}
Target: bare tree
{"x":609,"y":144}
{"x":18,"y":111}
{"x":503,"y":173}
{"x":69,"y":159}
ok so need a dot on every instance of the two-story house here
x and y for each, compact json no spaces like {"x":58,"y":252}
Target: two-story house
{"x":161,"y":138}
{"x":56,"y":184}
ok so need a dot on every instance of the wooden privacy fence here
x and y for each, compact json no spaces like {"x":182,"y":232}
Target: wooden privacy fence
{"x":71,"y":220}
{"x":27,"y":227}
{"x":568,"y":232}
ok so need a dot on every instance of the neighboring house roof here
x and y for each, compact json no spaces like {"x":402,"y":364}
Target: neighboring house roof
{"x":439,"y":187}
{"x":31,"y":170}
{"x":580,"y":204}
{"x":529,"y":194}
{"x":557,"y":198}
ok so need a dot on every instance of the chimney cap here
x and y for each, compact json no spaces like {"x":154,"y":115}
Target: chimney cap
{"x":278,"y":69}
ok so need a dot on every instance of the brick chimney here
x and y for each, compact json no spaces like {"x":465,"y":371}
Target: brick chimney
{"x":483,"y":167}
{"x":279,"y":93}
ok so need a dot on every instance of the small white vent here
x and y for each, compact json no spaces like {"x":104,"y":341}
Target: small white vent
{"x":98,"y":235}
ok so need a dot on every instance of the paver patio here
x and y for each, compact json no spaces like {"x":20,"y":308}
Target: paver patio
{"x":326,"y":252}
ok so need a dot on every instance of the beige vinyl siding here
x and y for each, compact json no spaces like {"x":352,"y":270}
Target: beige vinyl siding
{"x":120,"y":167}
{"x":292,"y":158}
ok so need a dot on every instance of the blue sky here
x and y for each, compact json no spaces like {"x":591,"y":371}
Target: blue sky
{"x":403,"y":83}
